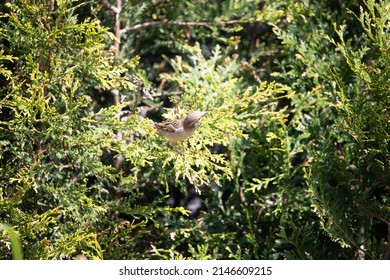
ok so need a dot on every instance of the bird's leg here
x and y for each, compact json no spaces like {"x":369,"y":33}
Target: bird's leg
{"x":176,"y":148}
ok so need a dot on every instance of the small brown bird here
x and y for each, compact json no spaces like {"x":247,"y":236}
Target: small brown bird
{"x":180,"y":129}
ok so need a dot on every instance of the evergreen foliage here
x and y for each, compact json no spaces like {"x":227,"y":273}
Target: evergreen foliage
{"x":291,"y":160}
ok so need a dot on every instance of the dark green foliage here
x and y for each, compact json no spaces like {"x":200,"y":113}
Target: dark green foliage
{"x":290,"y":162}
{"x":356,"y":168}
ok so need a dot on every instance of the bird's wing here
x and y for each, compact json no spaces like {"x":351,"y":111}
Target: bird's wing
{"x":170,"y":126}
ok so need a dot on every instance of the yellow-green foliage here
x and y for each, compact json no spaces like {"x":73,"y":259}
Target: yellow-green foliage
{"x":210,"y":84}
{"x":290,"y":161}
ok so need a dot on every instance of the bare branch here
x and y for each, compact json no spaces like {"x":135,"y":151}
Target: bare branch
{"x":179,"y":23}
{"x":117,"y":27}
{"x":110,"y":7}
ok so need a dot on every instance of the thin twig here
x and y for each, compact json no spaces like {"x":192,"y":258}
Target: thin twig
{"x":160,"y":94}
{"x":179,"y":23}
